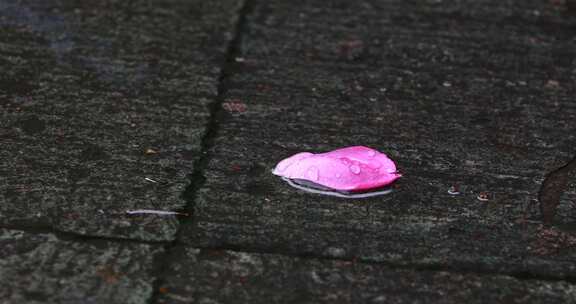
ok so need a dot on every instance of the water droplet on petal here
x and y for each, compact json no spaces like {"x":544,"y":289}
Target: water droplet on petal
{"x":355,"y":169}
{"x":371,"y":153}
{"x":313,"y":173}
{"x":374,"y":164}
{"x":338,"y":175}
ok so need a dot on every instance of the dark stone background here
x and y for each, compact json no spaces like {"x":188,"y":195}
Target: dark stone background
{"x":186,"y":105}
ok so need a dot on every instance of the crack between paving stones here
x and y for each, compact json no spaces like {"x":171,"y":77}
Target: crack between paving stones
{"x":197,"y":178}
{"x":518,"y":275}
{"x":175,"y":245}
{"x":77,"y":237}
{"x":550,"y":192}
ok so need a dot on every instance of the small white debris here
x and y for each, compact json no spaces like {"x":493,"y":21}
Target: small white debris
{"x":453,"y":190}
{"x":483,"y":196}
{"x":157,"y":212}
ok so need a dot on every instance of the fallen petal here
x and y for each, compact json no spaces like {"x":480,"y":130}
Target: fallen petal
{"x":351,"y":169}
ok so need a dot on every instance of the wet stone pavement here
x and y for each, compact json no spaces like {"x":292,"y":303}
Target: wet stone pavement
{"x":185,"y":105}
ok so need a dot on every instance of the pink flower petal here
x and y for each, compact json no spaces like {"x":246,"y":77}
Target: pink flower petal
{"x":356,"y":168}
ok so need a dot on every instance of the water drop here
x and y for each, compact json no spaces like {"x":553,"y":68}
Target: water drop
{"x":375,"y":164}
{"x":313,"y":173}
{"x":371,"y":153}
{"x":355,"y":169}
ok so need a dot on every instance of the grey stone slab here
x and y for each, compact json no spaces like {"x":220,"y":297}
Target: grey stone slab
{"x":219,"y":276}
{"x":41,"y":268}
{"x":103,"y":106}
{"x":467,"y":93}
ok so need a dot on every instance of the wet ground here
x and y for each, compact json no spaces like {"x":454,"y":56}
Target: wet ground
{"x":113,"y":108}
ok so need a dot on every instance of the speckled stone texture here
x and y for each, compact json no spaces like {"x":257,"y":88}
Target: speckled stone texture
{"x":41,"y":268}
{"x":103,"y":105}
{"x":219,"y":276}
{"x":477,"y":94}
{"x":187,"y":105}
